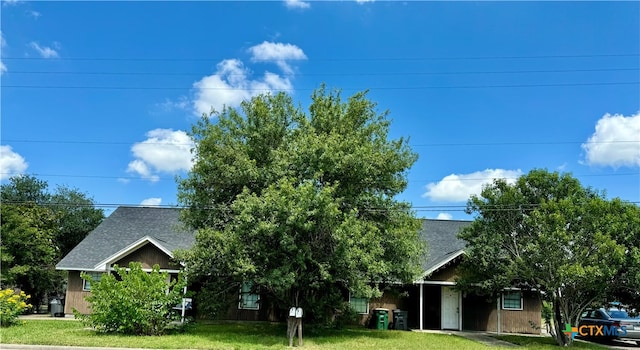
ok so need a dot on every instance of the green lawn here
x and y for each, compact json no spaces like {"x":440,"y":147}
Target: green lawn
{"x":245,"y":336}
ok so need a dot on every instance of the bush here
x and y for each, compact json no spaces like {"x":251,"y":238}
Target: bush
{"x":12,"y":304}
{"x":136,"y":302}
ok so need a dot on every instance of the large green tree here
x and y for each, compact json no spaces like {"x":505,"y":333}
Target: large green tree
{"x":548,"y":233}
{"x":303,"y":206}
{"x":39,"y":227}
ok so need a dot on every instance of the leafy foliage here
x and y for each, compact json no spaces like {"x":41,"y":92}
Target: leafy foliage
{"x":38,"y":229}
{"x":12,"y":304}
{"x":134,"y":302}
{"x":302,"y":206}
{"x":548,"y":233}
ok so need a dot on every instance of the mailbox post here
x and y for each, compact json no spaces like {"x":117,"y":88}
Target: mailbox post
{"x":294,"y":323}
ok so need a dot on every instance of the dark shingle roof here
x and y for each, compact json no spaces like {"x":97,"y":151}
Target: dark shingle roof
{"x":125,"y":226}
{"x":442,"y":240}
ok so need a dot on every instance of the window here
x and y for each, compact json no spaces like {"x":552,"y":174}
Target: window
{"x":95,"y":276}
{"x":248,"y":300}
{"x":512,"y":300}
{"x":360,"y":305}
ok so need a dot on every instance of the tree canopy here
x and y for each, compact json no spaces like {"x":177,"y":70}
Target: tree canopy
{"x":38,"y":229}
{"x":548,"y":233}
{"x":303,"y":206}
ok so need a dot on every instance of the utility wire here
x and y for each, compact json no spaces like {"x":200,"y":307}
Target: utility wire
{"x":156,"y":74}
{"x":58,"y":87}
{"x":461,"y":208}
{"x":332,"y":59}
{"x":505,"y":143}
{"x":359,"y":182}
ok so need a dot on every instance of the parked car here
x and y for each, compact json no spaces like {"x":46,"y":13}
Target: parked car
{"x":626,"y":327}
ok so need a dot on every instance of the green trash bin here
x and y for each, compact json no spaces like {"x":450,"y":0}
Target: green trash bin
{"x":381,"y":318}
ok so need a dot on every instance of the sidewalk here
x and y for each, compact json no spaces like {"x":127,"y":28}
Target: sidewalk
{"x":67,"y":317}
{"x":480,"y":337}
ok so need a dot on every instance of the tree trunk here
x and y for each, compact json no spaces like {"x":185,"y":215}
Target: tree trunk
{"x":561,"y":338}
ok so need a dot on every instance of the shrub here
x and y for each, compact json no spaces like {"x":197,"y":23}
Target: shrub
{"x":136,"y":302}
{"x":12,"y":304}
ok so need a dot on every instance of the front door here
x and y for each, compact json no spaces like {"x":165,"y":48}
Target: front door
{"x":450,"y":308}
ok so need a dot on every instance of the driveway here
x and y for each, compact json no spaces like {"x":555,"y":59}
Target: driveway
{"x":616,"y":344}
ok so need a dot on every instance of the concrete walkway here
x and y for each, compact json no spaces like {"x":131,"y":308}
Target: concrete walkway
{"x":67,"y":317}
{"x":480,"y":337}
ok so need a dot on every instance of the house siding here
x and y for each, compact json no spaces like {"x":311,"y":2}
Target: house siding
{"x":389,"y":301}
{"x":148,"y":255}
{"x":485,"y":315}
{"x":75,"y":295}
{"x":444,"y":275}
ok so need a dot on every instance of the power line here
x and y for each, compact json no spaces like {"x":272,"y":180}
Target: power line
{"x":360,"y":182}
{"x":504,"y":143}
{"x":336,"y":74}
{"x":313,"y":89}
{"x":332,"y":59}
{"x":423,"y":208}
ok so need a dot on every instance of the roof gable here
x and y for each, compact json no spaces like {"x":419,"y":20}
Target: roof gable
{"x":125,"y":230}
{"x":443,"y":244}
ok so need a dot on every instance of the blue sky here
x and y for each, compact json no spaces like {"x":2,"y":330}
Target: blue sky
{"x":97,"y":95}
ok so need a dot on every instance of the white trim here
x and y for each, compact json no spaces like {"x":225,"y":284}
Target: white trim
{"x":459,"y":310}
{"x":131,"y":248}
{"x":80,"y":269}
{"x":438,"y":283}
{"x":442,"y":263}
{"x":509,"y":308}
{"x":161,"y":270}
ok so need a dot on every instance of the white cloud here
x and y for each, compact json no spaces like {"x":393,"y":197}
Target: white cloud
{"x":35,"y":14}
{"x":459,"y":187}
{"x":45,"y":51}
{"x":231,"y":84}
{"x":11,"y":163}
{"x":10,"y":2}
{"x":151,"y":202}
{"x":277,"y":52}
{"x":363,"y":1}
{"x":3,"y":43}
{"x":615,"y":142}
{"x":444,"y":216}
{"x":164,"y":151}
{"x":169,"y":105}
{"x":296,"y":4}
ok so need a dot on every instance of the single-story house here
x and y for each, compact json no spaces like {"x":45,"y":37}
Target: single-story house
{"x":432,"y":301}
{"x":142,"y":234}
{"x":150,"y":235}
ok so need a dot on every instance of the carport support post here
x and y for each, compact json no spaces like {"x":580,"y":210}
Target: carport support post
{"x":421,"y":305}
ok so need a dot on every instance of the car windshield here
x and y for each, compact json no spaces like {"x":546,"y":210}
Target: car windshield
{"x":618,"y":314}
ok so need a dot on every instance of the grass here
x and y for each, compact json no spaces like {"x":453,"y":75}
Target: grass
{"x":228,"y":335}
